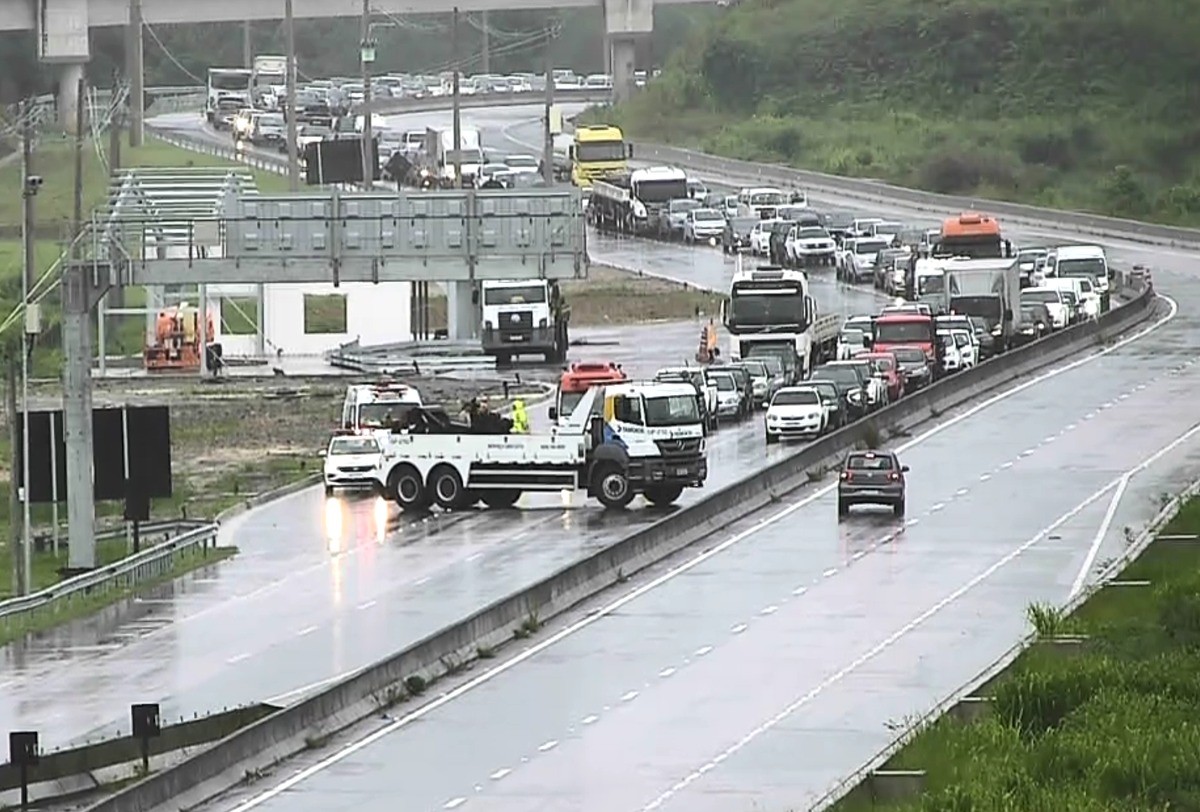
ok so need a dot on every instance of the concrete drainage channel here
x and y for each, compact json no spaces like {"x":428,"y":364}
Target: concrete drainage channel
{"x":250,"y":752}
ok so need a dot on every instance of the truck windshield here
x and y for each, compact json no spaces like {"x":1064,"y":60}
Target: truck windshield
{"x":1094,"y":268}
{"x":600,"y":151}
{"x":779,"y":308}
{"x":523,"y":295}
{"x":767,"y":199}
{"x":229,"y":81}
{"x":567,"y":401}
{"x":986,"y":306}
{"x":901,"y":331}
{"x":660,"y":191}
{"x":672,"y":410}
{"x":985,"y":247}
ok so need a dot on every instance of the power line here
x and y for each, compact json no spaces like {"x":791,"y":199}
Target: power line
{"x":166,"y":52}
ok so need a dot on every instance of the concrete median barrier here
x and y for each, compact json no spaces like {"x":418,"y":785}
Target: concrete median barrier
{"x":254,"y":749}
{"x":385,"y":107}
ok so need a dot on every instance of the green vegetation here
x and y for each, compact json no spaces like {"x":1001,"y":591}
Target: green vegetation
{"x":1084,"y":104}
{"x":72,"y":609}
{"x":1110,"y":727}
{"x":610,"y":296}
{"x":324,"y":313}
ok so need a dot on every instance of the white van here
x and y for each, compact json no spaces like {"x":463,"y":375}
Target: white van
{"x":1080,"y":261}
{"x":1056,"y":305}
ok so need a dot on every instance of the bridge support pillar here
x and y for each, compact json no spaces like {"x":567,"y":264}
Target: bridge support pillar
{"x":68,"y":95}
{"x":625,"y":21}
{"x":79,"y":296}
{"x":462,"y":319}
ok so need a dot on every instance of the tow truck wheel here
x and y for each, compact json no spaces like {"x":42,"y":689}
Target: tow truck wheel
{"x":611,"y":485}
{"x":498,"y":499}
{"x":407,"y":489}
{"x":447,"y":488}
{"x":662,"y":495}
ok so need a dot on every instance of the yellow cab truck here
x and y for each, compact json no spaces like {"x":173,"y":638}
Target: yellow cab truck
{"x":599,"y":152}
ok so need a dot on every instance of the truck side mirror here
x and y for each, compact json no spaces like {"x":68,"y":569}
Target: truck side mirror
{"x":596,"y":430}
{"x":725,"y":312}
{"x":629,"y":150}
{"x":571,"y":152}
{"x":866,"y":341}
{"x":553,"y":414}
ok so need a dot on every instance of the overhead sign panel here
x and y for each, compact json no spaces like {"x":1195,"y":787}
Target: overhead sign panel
{"x":62,"y":30}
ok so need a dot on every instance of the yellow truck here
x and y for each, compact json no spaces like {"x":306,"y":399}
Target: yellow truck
{"x":598,"y":152}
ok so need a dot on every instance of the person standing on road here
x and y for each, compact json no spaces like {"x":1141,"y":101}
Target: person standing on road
{"x":520,"y":419}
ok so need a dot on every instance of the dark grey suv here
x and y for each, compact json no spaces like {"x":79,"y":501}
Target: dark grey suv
{"x":872,"y":478}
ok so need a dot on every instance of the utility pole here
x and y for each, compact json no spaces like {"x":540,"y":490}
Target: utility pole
{"x":135,"y":69}
{"x":368,"y":136}
{"x":547,"y":135}
{"x":29,"y":187}
{"x":487,"y":51}
{"x":12,"y":370}
{"x":289,"y":25}
{"x":456,"y":102}
{"x":77,"y":212}
{"x":247,"y":44}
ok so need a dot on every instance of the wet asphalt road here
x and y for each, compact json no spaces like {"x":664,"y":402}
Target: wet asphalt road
{"x":362,"y":581}
{"x":769,"y":670}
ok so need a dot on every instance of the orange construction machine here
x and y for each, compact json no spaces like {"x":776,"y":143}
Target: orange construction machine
{"x":580,"y":377}
{"x":176,"y":344}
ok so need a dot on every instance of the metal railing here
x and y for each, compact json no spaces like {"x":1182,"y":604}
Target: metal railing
{"x":149,"y":565}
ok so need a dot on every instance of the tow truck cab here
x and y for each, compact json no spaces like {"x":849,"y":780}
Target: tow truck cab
{"x":621,"y":440}
{"x":579,"y":377}
{"x":907,"y":329}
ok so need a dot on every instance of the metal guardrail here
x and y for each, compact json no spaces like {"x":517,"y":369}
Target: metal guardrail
{"x":148,"y":565}
{"x":397,"y":359}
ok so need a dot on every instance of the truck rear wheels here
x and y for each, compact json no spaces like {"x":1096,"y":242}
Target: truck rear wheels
{"x":408,"y":489}
{"x":447,"y":488}
{"x":662,"y":495}
{"x":610,"y":484}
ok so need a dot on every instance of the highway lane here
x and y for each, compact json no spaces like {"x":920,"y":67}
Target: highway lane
{"x":760,"y":672}
{"x":1046,"y":468}
{"x":354,"y":562}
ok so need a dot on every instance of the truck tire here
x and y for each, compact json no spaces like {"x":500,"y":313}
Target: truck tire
{"x":610,"y":482}
{"x":662,"y":495}
{"x":407,"y":489}
{"x":499,"y":499}
{"x":447,"y":488}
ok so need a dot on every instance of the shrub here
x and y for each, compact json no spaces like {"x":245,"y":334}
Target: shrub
{"x":1036,"y":700}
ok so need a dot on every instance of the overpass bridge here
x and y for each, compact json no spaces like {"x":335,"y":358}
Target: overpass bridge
{"x":62,"y":27}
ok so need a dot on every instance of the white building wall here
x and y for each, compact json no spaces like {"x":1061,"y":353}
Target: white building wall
{"x":375,"y":314}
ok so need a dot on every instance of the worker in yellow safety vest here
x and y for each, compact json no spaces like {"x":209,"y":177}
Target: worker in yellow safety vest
{"x":520,"y":419}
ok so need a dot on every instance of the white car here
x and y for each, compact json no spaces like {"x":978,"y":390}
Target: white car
{"x":796,"y":411}
{"x":702,"y":225}
{"x":729,"y":396}
{"x":1081,"y":289}
{"x":760,"y":238}
{"x":968,"y":346}
{"x":860,"y":321}
{"x":859,"y":260}
{"x":729,"y":205}
{"x":349,"y":461}
{"x":952,"y":360}
{"x":1055,"y":302}
{"x":810,"y":245}
{"x":850,"y":343}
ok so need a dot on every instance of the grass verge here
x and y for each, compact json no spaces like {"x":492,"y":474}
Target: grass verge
{"x":67,"y":610}
{"x":1109,"y":728}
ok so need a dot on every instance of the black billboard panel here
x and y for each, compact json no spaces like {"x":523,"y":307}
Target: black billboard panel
{"x":108,"y":453}
{"x":337,"y":160}
{"x":149,"y":430}
{"x":47,"y":454}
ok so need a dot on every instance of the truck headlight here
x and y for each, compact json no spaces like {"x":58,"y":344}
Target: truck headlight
{"x":542,"y":323}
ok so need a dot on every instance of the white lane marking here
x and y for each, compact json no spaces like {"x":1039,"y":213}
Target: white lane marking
{"x":829,"y":572}
{"x":1071,"y":427}
{"x":306,"y":631}
{"x":1049,"y":439}
{"x":700,"y":652}
{"x":421,"y":581}
{"x":1027,"y":452}
{"x":800,"y":590}
{"x":937,"y":507}
{"x":587,"y":720}
{"x":1006,"y":465}
{"x":303,"y":689}
{"x":961,"y":492}
{"x":237,"y":658}
{"x":495,"y":671}
{"x":454,"y":803}
{"x":548,"y":746}
{"x":499,"y":774}
{"x":474,"y":556}
{"x":924,"y":616}
{"x":911,"y":522}
{"x":666,"y":672}
{"x":858,"y":555}
{"x":1098,"y":540}
{"x":630,"y":696}
{"x":739,"y":628}
{"x":366,"y":605}
{"x":770,"y":610}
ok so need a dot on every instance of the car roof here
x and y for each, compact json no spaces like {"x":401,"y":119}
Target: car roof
{"x":870,"y":454}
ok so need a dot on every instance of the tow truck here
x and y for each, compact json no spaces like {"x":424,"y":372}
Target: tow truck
{"x":577,"y":379}
{"x":372,"y":407}
{"x":621,"y":440}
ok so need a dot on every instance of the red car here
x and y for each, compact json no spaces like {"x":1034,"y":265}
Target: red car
{"x":885,"y":363}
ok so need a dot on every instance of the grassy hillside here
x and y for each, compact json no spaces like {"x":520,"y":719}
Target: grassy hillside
{"x":1090,"y":104}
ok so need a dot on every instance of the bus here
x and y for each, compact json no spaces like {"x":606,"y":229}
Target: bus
{"x":972,"y":235}
{"x":229,"y":85}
